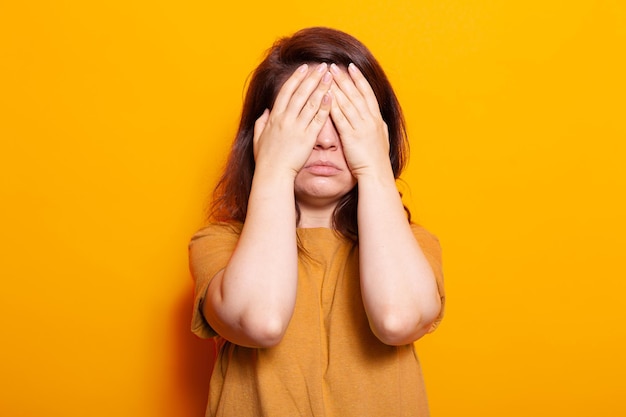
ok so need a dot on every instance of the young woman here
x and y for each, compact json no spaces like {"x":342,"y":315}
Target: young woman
{"x":310,"y":274}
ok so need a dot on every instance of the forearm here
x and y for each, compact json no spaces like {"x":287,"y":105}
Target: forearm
{"x":398,"y":285}
{"x":252,"y":300}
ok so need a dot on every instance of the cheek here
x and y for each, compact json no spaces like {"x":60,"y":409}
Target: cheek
{"x":353,"y":181}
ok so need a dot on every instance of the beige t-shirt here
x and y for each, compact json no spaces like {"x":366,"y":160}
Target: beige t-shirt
{"x":329,"y":362}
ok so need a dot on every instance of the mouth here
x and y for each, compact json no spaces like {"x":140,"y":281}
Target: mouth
{"x":322,"y":168}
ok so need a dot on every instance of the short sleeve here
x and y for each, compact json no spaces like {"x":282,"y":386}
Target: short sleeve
{"x":210,"y":250}
{"x":432,"y":250}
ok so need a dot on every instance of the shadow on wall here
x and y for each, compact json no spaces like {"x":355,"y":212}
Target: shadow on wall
{"x":194,"y":360}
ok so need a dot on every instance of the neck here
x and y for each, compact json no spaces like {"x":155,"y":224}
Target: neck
{"x":311,"y":217}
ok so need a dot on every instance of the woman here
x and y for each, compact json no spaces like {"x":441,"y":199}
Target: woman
{"x":316,"y":291}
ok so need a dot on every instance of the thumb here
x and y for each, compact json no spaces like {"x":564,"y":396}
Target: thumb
{"x":259,"y":127}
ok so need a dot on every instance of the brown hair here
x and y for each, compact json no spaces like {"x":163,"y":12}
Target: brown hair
{"x":311,"y":45}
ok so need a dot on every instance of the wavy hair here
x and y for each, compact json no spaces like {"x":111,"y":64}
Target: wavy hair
{"x":311,"y":45}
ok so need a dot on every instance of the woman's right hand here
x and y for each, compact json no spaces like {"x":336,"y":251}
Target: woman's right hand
{"x":251,"y":301}
{"x":284,"y":137}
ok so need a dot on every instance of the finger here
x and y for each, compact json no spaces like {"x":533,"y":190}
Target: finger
{"x":364,"y":88}
{"x":347,"y":86}
{"x":286,"y":91}
{"x":316,"y":99}
{"x":339,"y":119}
{"x":349,"y":112}
{"x":320,"y":118}
{"x":303,"y":92}
{"x":259,"y":126}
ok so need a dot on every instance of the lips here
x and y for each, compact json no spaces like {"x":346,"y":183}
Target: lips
{"x":322,"y":168}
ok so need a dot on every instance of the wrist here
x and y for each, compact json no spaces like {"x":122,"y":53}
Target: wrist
{"x":274,"y":171}
{"x":375,"y":173}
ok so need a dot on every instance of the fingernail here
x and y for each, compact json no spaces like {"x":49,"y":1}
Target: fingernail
{"x":326,"y":98}
{"x":303,"y":68}
{"x":352,"y":67}
{"x":334,"y":68}
{"x":321,"y":67}
{"x":327,"y":77}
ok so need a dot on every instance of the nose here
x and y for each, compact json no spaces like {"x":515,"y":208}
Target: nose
{"x":328,"y":138}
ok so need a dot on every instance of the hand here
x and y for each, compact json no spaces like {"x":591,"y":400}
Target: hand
{"x":356,"y":115}
{"x":284,"y":138}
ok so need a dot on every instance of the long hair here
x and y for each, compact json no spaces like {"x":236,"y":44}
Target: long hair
{"x":311,"y":45}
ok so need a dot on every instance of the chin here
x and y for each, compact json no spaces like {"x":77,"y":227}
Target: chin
{"x":323,"y":189}
{"x":320,"y":198}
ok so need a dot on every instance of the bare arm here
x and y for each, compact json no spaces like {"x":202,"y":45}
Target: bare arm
{"x":399,"y":288}
{"x":251,"y":301}
{"x":398,"y":285}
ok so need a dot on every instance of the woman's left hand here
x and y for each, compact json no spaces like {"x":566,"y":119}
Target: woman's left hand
{"x":356,"y":114}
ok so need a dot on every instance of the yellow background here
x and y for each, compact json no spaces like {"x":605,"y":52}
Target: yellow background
{"x":115,"y":118}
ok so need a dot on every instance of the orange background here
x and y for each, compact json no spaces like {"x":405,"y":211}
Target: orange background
{"x":115,"y":118}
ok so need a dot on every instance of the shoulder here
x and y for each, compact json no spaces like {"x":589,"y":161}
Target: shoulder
{"x":424,"y":237}
{"x":214,"y":240}
{"x":221,"y":230}
{"x":429,"y":243}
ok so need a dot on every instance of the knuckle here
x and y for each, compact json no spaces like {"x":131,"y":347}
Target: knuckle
{"x":354,"y":96}
{"x":298,"y":94}
{"x":280,"y":124}
{"x":320,"y":117}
